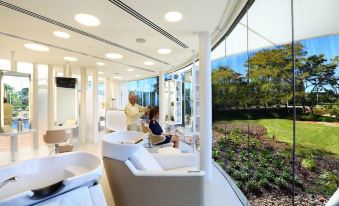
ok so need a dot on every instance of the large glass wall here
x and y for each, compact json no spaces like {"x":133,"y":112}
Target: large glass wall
{"x":256,"y":112}
{"x":147,"y":91}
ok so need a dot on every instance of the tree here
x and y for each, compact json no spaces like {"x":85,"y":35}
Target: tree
{"x":227,"y":86}
{"x":271,"y":71}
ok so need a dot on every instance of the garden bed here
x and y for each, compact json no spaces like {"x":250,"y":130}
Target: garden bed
{"x":262,"y":167}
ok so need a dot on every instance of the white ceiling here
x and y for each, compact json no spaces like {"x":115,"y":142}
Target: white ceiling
{"x":269,"y":24}
{"x":116,"y":26}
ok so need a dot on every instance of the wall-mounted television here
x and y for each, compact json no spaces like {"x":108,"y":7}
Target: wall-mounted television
{"x":65,"y":82}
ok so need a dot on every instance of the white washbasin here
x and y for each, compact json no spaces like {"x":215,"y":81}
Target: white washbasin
{"x":73,"y":169}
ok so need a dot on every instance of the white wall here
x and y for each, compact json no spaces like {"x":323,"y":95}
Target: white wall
{"x":66,"y":104}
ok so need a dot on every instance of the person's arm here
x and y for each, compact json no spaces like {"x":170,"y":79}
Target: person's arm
{"x":143,"y":109}
{"x":131,"y":114}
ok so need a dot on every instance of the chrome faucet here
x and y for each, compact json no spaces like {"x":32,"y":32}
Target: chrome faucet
{"x":11,"y":179}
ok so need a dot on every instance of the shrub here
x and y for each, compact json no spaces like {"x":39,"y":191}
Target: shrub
{"x":328,"y":182}
{"x":305,"y":152}
{"x":263,"y":183}
{"x":280,"y":182}
{"x":215,"y":153}
{"x":254,"y":187}
{"x":320,"y":111}
{"x":309,"y":164}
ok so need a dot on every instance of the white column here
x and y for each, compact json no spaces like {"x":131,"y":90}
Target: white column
{"x":50,"y":97}
{"x":35,"y":105}
{"x":108,"y":93}
{"x":83,"y":128}
{"x":13,"y":62}
{"x":67,"y":70}
{"x":95,"y":106}
{"x":162,"y":109}
{"x":205,"y":96}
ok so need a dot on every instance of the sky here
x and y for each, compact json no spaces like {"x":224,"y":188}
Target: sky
{"x":327,"y":45}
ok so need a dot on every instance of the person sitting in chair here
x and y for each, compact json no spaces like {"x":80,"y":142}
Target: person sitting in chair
{"x":157,"y":130}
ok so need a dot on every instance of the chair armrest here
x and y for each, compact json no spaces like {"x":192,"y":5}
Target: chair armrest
{"x":142,"y":173}
{"x":173,"y":161}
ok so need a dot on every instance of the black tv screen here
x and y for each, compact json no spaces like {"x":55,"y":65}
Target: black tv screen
{"x":65,"y":82}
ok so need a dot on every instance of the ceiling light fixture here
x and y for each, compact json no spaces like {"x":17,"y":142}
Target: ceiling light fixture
{"x":164,"y":51}
{"x":117,"y":77}
{"x":61,"y":34}
{"x":100,"y":72}
{"x":148,"y":63}
{"x":70,"y":59}
{"x":101,"y":63}
{"x":113,"y":55}
{"x":37,"y":47}
{"x":87,"y":20}
{"x":130,"y":70}
{"x":138,"y":75}
{"x":173,"y":16}
{"x":140,"y":40}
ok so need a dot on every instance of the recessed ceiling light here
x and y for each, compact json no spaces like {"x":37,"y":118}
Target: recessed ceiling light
{"x":140,"y":40}
{"x":87,"y":20}
{"x":61,"y":34}
{"x":138,"y":75}
{"x":100,"y":72}
{"x":70,"y":59}
{"x":101,"y":63}
{"x":113,"y":55}
{"x":37,"y":47}
{"x":164,"y":51}
{"x":117,"y":77}
{"x":173,"y":16}
{"x":148,"y":63}
{"x":130,"y":70}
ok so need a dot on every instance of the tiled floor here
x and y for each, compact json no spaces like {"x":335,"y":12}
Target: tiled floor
{"x":218,"y":190}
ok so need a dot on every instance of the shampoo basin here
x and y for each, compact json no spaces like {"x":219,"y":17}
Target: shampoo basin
{"x":36,"y":180}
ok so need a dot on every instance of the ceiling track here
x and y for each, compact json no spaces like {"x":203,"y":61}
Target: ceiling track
{"x":148,"y":22}
{"x":62,"y":25}
{"x":72,"y":50}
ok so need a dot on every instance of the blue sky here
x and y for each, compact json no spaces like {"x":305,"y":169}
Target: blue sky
{"x":327,"y":45}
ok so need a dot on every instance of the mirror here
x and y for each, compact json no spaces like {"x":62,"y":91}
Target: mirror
{"x":15,"y":96}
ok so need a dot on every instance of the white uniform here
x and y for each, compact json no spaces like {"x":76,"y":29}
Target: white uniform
{"x":133,"y":115}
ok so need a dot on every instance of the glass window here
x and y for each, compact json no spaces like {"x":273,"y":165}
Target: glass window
{"x":147,"y":91}
{"x":5,"y":64}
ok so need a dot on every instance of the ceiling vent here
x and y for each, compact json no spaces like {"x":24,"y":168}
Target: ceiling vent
{"x":148,"y":22}
{"x":62,"y":25}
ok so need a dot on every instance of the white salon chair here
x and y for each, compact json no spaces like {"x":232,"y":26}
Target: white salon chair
{"x":60,"y":139}
{"x":140,"y":178}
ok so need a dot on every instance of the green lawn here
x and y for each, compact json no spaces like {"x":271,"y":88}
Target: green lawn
{"x":318,"y":136}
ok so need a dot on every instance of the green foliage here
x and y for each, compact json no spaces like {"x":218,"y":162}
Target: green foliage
{"x":270,"y":80}
{"x":328,"y":182}
{"x":257,"y":167}
{"x":309,"y":164}
{"x":254,"y":187}
{"x":18,"y":99}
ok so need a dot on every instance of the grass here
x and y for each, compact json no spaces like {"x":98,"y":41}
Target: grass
{"x":317,"y":136}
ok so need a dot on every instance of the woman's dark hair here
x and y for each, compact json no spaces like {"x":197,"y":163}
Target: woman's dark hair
{"x":153,"y":112}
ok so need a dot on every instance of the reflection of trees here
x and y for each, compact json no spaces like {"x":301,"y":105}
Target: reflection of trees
{"x":18,"y":99}
{"x":270,"y":80}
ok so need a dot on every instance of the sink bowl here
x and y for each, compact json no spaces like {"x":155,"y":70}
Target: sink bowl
{"x":42,"y":178}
